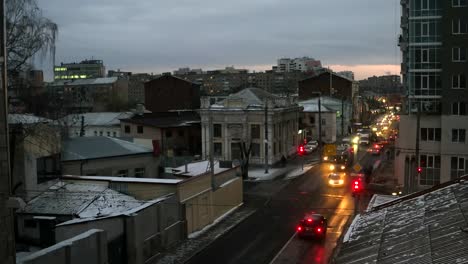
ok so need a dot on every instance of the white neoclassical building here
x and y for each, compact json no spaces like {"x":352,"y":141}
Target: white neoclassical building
{"x":241,"y":118}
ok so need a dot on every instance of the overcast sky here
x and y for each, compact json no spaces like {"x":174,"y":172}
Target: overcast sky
{"x":163,"y":35}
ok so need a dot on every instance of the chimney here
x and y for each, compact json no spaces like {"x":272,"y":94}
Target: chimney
{"x":140,"y":109}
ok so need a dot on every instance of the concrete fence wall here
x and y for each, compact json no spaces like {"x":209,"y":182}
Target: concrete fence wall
{"x":89,"y":247}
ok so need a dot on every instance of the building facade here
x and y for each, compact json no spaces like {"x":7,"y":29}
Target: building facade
{"x":171,"y":93}
{"x":382,"y":85}
{"x":329,"y":84}
{"x":434,"y":44}
{"x":310,"y":118}
{"x":86,"y":69}
{"x":303,"y":64}
{"x":240,"y":118}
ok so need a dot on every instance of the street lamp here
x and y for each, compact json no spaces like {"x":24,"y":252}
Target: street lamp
{"x":319,"y":147}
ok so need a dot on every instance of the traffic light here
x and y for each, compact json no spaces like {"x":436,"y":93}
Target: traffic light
{"x":419,"y":170}
{"x":301,"y":150}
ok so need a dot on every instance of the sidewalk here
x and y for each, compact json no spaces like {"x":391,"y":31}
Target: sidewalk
{"x":383,"y":178}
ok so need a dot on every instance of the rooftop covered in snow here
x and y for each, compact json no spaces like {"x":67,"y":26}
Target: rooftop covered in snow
{"x":253,"y":99}
{"x":97,"y":119}
{"x":122,"y":179}
{"x":427,"y":227}
{"x":199,"y":168}
{"x":81,"y":148}
{"x":80,"y":201}
{"x":77,"y":82}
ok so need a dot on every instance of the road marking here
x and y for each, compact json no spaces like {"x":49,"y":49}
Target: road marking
{"x":282,"y":249}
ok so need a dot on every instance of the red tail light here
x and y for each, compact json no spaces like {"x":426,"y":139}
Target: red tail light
{"x":299,"y":228}
{"x":319,"y":230}
{"x":309,"y":220}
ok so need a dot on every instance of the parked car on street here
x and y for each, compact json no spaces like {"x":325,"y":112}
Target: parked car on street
{"x":364,"y":140}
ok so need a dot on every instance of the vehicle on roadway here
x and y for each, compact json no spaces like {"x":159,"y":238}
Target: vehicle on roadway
{"x":364,"y":140}
{"x":312,"y":225}
{"x":336,"y":179}
{"x":311,"y":146}
{"x":376,"y":149}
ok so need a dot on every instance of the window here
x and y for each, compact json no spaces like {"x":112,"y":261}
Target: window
{"x":425,"y":55}
{"x":458,"y":54}
{"x":424,"y":4}
{"x":139,"y":172}
{"x":218,"y":149}
{"x":181,"y":133}
{"x":457,"y":167}
{"x":100,"y":133}
{"x":255,"y":152}
{"x":425,"y":30}
{"x":458,"y":81}
{"x":108,"y":133}
{"x":255,"y":131}
{"x":459,"y":3}
{"x":459,"y":27}
{"x":30,"y":223}
{"x":324,"y":121}
{"x":95,"y":133}
{"x":217,"y":131}
{"x":114,"y":134}
{"x":312,"y":119}
{"x":430,"y":134}
{"x":430,"y":165}
{"x":458,"y":135}
{"x":140,"y":129}
{"x":458,"y":108}
{"x":168,"y":133}
{"x":425,"y":82}
{"x":122,"y":173}
{"x":127,"y":129}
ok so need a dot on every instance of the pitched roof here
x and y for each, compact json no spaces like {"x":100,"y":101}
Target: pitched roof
{"x":26,"y":119}
{"x":254,"y":96}
{"x":312,"y":107}
{"x":165,"y":120}
{"x":81,"y":148}
{"x":81,"y":201}
{"x":429,"y":227}
{"x":97,"y":118}
{"x":94,"y":81}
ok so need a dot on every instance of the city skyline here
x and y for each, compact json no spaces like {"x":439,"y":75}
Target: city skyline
{"x":127,"y":35}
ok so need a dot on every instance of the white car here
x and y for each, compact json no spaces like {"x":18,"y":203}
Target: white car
{"x":311,"y":146}
{"x":364,"y":140}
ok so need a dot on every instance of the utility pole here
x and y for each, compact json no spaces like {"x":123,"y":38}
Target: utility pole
{"x":417,"y":162}
{"x":7,"y":235}
{"x":211,"y":131}
{"x":266,"y":135}
{"x":82,"y":131}
{"x":320,"y":127}
{"x":342,"y":116}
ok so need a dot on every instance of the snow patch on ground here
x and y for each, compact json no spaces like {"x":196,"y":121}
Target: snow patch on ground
{"x":199,"y":232}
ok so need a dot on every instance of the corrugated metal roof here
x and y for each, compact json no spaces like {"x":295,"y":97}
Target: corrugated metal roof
{"x":81,"y":148}
{"x":80,"y":200}
{"x":430,"y":228}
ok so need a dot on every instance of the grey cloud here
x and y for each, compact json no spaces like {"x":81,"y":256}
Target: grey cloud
{"x":166,"y":34}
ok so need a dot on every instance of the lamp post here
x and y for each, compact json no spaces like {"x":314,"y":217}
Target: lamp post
{"x":319,"y":147}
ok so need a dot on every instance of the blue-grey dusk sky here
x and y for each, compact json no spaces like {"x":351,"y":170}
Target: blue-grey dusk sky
{"x":163,"y":35}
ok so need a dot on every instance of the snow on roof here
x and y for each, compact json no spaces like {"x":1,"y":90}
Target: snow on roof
{"x":250,"y":98}
{"x":48,"y":251}
{"x":198,"y":168}
{"x":429,"y":228}
{"x":26,"y":119}
{"x":124,"y":179}
{"x":81,"y":148}
{"x":312,"y":107}
{"x":97,"y":119}
{"x":128,"y":212}
{"x":95,"y":81}
{"x":81,"y":201}
{"x":379,"y":199}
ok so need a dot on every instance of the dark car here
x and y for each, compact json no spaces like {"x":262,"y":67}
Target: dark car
{"x":312,"y":225}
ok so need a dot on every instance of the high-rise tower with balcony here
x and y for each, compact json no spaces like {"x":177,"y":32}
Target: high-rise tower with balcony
{"x":434,"y":44}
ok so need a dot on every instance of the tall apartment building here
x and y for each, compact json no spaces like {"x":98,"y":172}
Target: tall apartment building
{"x":303,"y":64}
{"x":434,"y":43}
{"x":86,"y":69}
